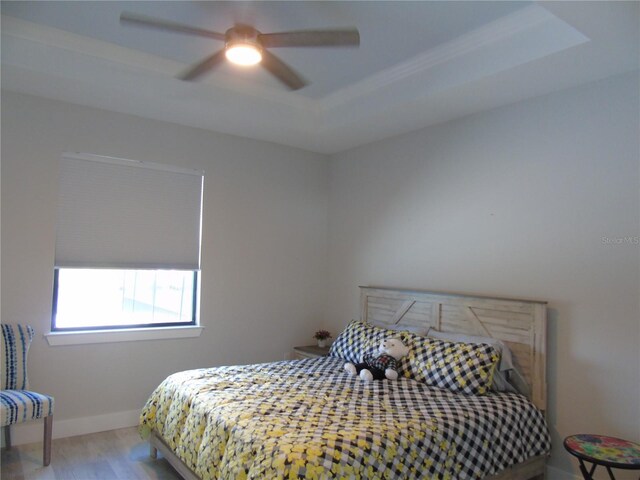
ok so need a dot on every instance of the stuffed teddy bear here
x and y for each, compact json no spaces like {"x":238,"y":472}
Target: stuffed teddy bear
{"x":382,"y":365}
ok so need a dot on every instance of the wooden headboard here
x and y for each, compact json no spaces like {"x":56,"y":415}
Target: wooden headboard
{"x":521,"y":324}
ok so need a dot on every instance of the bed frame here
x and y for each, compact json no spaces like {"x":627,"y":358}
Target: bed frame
{"x":521,"y":324}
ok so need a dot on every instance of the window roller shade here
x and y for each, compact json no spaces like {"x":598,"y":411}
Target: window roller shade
{"x":125,"y":214}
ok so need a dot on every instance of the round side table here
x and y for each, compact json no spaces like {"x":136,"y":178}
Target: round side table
{"x":609,"y":452}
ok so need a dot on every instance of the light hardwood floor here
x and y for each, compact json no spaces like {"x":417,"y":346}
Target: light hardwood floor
{"x":114,"y":455}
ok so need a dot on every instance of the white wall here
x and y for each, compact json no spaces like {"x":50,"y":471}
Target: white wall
{"x":263,"y":251}
{"x":513,"y":202}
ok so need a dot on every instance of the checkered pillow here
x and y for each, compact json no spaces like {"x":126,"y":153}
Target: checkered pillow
{"x":354,"y":341}
{"x":459,"y":367}
{"x":360,"y":338}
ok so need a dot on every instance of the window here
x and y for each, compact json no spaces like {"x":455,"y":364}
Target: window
{"x":86,"y":299}
{"x":127,"y":245}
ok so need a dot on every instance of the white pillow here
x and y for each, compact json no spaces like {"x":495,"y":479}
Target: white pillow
{"x":507,"y":378}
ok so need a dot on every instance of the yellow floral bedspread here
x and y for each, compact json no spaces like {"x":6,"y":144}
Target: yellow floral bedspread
{"x":310,"y":419}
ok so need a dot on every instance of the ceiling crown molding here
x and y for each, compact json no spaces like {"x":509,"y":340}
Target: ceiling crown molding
{"x":527,"y":20}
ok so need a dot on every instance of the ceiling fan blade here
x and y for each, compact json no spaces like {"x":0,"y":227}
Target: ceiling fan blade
{"x":203,"y":66}
{"x":282,"y":71}
{"x":347,"y":37}
{"x":160,"y":24}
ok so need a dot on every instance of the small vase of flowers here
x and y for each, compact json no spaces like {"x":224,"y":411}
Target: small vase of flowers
{"x":322,"y":336}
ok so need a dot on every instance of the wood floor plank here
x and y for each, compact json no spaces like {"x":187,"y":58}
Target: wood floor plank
{"x":11,"y":463}
{"x":117,"y":454}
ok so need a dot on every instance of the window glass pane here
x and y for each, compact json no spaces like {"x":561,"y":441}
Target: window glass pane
{"x":90,"y":298}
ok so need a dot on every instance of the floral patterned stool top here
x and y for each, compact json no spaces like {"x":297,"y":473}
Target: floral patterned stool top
{"x":610,"y":452}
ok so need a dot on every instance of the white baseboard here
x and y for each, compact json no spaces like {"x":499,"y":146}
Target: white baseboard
{"x":33,"y":431}
{"x":557,"y":474}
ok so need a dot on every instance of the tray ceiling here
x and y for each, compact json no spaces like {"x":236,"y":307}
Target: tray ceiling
{"x":419,"y":63}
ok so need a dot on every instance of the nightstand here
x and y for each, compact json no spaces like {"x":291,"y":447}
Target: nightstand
{"x":309,"y":351}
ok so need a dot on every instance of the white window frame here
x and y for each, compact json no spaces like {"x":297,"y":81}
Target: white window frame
{"x":122,"y":335}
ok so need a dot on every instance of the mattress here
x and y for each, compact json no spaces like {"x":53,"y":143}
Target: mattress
{"x":310,"y":419}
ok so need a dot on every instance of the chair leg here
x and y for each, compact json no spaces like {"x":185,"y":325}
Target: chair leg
{"x":7,"y":438}
{"x":48,"y":430}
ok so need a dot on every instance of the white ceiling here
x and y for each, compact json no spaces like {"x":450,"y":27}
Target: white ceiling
{"x":419,"y":63}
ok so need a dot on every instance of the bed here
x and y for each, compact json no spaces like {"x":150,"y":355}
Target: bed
{"x":310,"y":419}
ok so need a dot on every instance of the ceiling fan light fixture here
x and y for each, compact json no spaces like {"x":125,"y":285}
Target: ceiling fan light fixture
{"x":246,"y":46}
{"x":245,"y":54}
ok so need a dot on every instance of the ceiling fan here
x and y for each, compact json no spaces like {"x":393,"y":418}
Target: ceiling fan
{"x":245,"y":45}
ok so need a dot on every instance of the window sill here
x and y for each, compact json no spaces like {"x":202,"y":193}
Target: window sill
{"x":124,"y":335}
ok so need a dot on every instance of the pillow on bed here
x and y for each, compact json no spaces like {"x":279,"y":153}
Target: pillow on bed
{"x":507,"y":378}
{"x":460,"y":367}
{"x":351,"y":342}
{"x":360,"y":338}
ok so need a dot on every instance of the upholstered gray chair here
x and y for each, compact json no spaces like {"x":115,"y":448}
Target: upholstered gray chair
{"x":17,"y":403}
